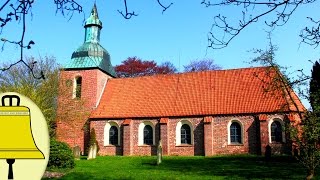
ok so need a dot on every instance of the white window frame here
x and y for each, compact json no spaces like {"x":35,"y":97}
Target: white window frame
{"x":178,"y":132}
{"x":106,"y":133}
{"x":74,"y":89}
{"x":229,"y":133}
{"x":282,"y":129}
{"x":141,"y":133}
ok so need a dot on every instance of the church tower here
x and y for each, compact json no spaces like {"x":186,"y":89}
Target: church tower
{"x":82,"y":81}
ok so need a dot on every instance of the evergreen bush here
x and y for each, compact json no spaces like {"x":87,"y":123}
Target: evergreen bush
{"x":61,"y":155}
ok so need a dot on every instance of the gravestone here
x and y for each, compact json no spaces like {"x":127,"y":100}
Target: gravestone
{"x":76,"y":152}
{"x":159,"y":152}
{"x":94,"y":149}
{"x":92,"y":152}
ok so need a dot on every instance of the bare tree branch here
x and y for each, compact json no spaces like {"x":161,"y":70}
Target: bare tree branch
{"x":164,"y":7}
{"x":4,"y":5}
{"x":17,"y":12}
{"x":252,"y":11}
{"x":127,"y":15}
{"x":311,"y":35}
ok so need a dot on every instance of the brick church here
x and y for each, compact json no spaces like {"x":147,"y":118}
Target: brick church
{"x":198,"y":113}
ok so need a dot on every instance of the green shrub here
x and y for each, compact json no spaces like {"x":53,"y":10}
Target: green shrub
{"x":61,"y":156}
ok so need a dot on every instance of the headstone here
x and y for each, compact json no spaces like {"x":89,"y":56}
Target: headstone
{"x":268,"y":153}
{"x":76,"y":152}
{"x":92,"y":152}
{"x":159,"y":152}
{"x":94,"y":149}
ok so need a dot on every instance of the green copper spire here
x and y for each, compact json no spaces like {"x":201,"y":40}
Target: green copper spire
{"x":93,"y":26}
{"x":91,"y":54}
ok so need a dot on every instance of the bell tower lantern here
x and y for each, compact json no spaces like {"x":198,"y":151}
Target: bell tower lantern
{"x":82,"y":81}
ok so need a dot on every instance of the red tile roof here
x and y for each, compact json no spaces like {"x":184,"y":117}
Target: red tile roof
{"x":218,"y":92}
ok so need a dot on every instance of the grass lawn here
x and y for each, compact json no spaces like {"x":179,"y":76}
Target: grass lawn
{"x":222,"y":167}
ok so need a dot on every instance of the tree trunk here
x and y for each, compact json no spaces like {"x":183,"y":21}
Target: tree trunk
{"x":310,"y":174}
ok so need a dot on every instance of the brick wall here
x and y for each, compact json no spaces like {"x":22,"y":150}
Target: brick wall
{"x":215,"y":142}
{"x":276,"y":148}
{"x":220,"y":135}
{"x":99,"y":127}
{"x":72,"y":114}
{"x":197,"y":147}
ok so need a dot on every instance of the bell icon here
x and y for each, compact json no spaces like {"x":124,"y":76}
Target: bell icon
{"x":16,"y":139}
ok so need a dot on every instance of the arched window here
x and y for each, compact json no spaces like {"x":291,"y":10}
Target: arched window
{"x":276,"y":131}
{"x":77,"y":87}
{"x":235,"y":133}
{"x":113,"y":135}
{"x":147,"y":135}
{"x":185,"y":134}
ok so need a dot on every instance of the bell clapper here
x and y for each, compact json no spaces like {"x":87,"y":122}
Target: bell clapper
{"x":10,"y":173}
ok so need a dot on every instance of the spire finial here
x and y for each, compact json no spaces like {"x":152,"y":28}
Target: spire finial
{"x":94,"y":11}
{"x":93,"y":20}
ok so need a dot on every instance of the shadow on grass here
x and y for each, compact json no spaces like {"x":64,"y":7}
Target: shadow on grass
{"x":198,"y":167}
{"x":247,"y":167}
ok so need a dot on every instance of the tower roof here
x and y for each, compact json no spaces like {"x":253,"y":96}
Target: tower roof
{"x":91,"y":55}
{"x":93,"y":19}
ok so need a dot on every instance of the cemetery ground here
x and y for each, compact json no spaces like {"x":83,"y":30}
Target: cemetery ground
{"x":176,"y":167}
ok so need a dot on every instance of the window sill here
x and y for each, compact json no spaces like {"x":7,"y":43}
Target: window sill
{"x":184,"y":145}
{"x":277,"y":143}
{"x":110,"y":145}
{"x":146,"y":145}
{"x":236,"y":144}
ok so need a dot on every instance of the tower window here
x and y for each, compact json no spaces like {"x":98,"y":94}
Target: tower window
{"x":77,"y":89}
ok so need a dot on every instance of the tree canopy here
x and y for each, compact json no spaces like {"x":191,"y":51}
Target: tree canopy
{"x":201,"y":65}
{"x":134,"y":67}
{"x":43,"y":92}
{"x":315,"y":87}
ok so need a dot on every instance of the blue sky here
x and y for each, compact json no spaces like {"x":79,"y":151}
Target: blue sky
{"x":179,"y":35}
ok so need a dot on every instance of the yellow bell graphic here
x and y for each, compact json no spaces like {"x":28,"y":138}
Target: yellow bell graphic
{"x":16,"y":139}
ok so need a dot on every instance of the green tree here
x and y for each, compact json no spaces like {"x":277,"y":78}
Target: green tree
{"x":43,"y":92}
{"x":304,"y":133}
{"x":308,"y":136}
{"x":315,"y":87}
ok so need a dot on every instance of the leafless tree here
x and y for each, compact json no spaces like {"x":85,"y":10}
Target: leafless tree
{"x":16,"y":11}
{"x":278,"y":11}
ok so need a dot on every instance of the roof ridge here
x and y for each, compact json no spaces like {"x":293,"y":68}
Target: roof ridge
{"x":196,"y":72}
